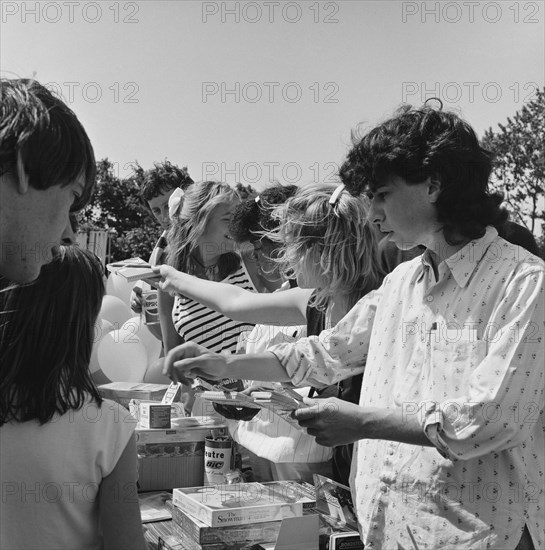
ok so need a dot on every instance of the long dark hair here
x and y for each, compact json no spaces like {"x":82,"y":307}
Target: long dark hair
{"x":46,"y":338}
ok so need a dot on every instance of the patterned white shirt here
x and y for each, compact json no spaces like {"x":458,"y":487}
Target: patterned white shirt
{"x":465,"y":353}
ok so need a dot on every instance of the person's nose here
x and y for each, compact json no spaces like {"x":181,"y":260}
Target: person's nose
{"x":165,"y":218}
{"x":375,"y":213}
{"x":68,"y":236}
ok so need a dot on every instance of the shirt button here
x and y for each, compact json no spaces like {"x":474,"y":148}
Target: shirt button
{"x":384,"y":489}
{"x":430,"y":298}
{"x":391,"y":452}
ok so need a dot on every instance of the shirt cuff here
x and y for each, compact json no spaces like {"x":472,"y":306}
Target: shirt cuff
{"x":432,"y":426}
{"x":292,"y":363}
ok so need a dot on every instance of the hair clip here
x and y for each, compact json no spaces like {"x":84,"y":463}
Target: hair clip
{"x":431,"y":100}
{"x":336,"y":194}
{"x":258,"y":199}
{"x":174,"y":202}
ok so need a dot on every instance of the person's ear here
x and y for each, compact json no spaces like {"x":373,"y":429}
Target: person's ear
{"x":434,"y":188}
{"x":22,"y":176}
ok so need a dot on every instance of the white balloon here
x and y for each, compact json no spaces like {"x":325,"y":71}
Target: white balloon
{"x":137,"y":327}
{"x":121,"y":288}
{"x":122,"y":356}
{"x":105,"y":327}
{"x":114,"y":311}
{"x":131,"y":326}
{"x":102,"y":327}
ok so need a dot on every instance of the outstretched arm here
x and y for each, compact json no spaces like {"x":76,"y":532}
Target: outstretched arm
{"x":334,"y":355}
{"x":335,"y":422}
{"x":184,"y":363}
{"x":279,"y":308}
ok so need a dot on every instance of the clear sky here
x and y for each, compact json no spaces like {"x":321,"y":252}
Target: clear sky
{"x":246,"y":91}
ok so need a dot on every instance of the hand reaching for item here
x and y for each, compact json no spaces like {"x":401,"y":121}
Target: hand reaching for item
{"x":186,"y":362}
{"x":331,"y":421}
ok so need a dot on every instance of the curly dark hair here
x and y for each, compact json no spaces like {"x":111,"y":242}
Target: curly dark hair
{"x":416,"y":144}
{"x":253,"y":216}
{"x":162,"y":177}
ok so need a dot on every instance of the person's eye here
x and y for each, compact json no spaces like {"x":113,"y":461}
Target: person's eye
{"x":74,"y":224}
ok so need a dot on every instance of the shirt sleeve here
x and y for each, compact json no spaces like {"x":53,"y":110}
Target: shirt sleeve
{"x":117,"y":427}
{"x":337,"y":353}
{"x":505,"y":396}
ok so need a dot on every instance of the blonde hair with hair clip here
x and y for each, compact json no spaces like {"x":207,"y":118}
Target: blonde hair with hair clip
{"x":187,"y":228}
{"x":340,"y":234}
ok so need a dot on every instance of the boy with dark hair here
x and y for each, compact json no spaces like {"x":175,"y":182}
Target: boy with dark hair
{"x":156,"y":190}
{"x":47,"y":170}
{"x":451,"y":346}
{"x":158,"y":185}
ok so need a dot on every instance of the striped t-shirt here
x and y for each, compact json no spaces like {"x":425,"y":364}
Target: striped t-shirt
{"x":204,"y":326}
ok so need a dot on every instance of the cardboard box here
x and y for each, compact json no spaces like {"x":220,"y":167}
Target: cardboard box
{"x":297,"y":532}
{"x":154,"y":415}
{"x":163,"y":473}
{"x":177,"y":435}
{"x":170,"y":543}
{"x":189,"y":544}
{"x":172,"y":458}
{"x":177,"y":412}
{"x":345,"y":541}
{"x":294,"y":490}
{"x":201,"y":533}
{"x":237,"y":504}
{"x":123,"y":392}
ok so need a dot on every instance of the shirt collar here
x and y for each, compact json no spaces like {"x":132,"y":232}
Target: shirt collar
{"x":463,"y":263}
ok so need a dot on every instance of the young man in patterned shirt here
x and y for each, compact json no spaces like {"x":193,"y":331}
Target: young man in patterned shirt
{"x":449,"y":432}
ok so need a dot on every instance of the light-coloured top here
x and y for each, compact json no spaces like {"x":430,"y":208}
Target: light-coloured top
{"x":198,"y":323}
{"x":51,"y":474}
{"x":466,"y":355}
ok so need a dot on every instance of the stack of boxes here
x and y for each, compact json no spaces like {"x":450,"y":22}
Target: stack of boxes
{"x":233,"y":517}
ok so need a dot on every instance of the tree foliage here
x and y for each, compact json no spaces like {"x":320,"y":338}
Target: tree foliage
{"x":117,"y":207}
{"x":519,"y":167}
